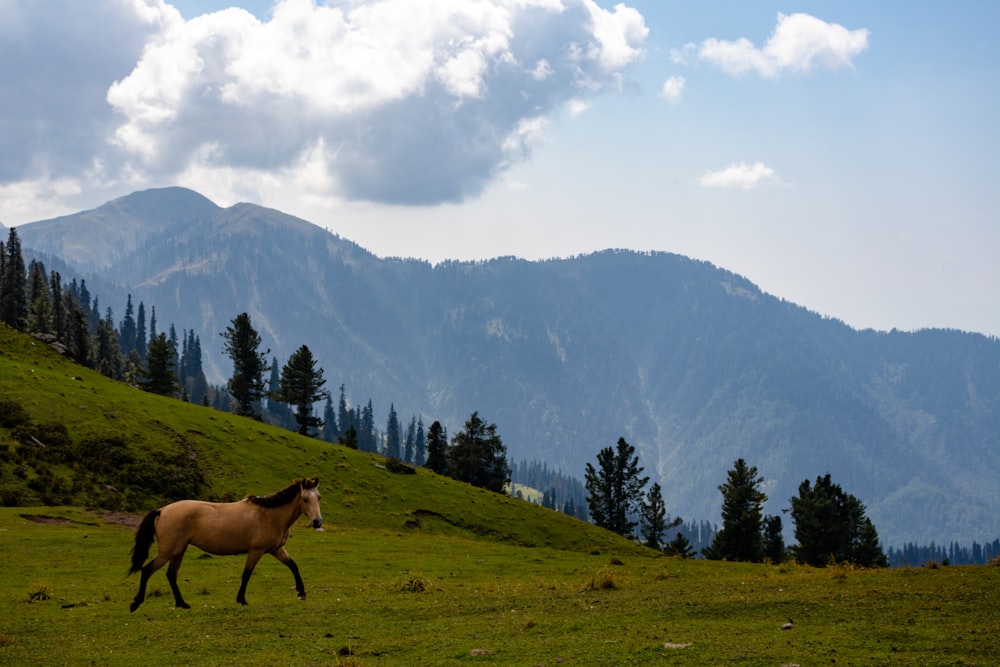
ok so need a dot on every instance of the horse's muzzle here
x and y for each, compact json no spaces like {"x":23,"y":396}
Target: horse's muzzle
{"x":317,"y":523}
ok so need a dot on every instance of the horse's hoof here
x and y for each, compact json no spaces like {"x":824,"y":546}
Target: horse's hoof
{"x":132,"y":607}
{"x":243,"y":602}
{"x":183,"y":605}
{"x":302,"y":596}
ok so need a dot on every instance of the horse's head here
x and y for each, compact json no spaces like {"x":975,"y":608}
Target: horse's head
{"x":309,"y":501}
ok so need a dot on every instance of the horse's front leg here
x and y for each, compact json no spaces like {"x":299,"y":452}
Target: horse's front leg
{"x":252,"y":557}
{"x":175,"y":565}
{"x":283,"y":556}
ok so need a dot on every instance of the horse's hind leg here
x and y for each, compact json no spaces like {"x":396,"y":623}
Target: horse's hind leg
{"x":283,"y":556}
{"x":145,"y":573}
{"x":175,"y":565}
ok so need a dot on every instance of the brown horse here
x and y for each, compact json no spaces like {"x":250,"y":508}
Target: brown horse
{"x":254,"y":526}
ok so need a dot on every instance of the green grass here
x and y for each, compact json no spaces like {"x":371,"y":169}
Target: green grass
{"x":380,"y":597}
{"x":417,"y":569}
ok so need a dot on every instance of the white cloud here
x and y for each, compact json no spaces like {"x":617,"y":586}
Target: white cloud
{"x":673,"y":89}
{"x":740,"y":175}
{"x":409,"y":102}
{"x":799,"y":43}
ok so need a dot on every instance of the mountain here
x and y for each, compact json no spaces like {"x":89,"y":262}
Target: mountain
{"x":692,"y":364}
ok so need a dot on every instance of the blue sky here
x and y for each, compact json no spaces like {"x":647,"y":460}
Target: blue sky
{"x":841,"y":155}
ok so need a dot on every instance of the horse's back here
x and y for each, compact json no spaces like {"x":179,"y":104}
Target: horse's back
{"x":217,"y":528}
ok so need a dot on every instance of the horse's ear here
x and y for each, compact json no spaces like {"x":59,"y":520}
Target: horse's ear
{"x":315,"y":481}
{"x":310,"y":483}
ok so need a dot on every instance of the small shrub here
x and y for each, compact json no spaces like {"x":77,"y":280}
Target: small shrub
{"x":39,"y":593}
{"x":602,"y":580}
{"x":398,"y":467}
{"x":12,"y":413}
{"x":415,"y":585}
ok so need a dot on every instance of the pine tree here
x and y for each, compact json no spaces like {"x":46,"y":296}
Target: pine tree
{"x":366,"y":433}
{"x":302,"y":386}
{"x":740,"y":538}
{"x":13,"y":285}
{"x":140,"y":333}
{"x":679,"y":546}
{"x":159,"y":376}
{"x":831,"y":525}
{"x":411,"y":440}
{"x":128,"y":330}
{"x":58,"y":306}
{"x":329,"y":421}
{"x":344,"y":420}
{"x":392,"y":438}
{"x":437,"y":449}
{"x":774,"y":542}
{"x":478,"y":456}
{"x":39,"y":299}
{"x":420,"y":445}
{"x":653,"y":518}
{"x":615,"y":488}
{"x":242,"y":344}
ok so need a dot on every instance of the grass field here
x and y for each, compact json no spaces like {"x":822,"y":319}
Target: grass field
{"x":380,"y":597}
{"x":410,"y":569}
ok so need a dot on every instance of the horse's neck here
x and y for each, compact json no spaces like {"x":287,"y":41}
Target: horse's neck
{"x":288,"y":514}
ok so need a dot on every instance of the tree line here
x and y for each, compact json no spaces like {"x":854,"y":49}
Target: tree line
{"x":830,"y":524}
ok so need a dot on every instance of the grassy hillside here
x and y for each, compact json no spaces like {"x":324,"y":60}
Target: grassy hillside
{"x":220,"y":456}
{"x":409,"y":569}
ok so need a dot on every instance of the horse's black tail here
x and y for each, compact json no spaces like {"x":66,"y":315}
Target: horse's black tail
{"x":144,"y":537}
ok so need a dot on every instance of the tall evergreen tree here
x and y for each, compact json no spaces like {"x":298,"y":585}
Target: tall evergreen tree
{"x":279,"y":412}
{"x":140,"y":332}
{"x":740,"y":538}
{"x":242,"y":344}
{"x":39,"y":299}
{"x":653,"y":518}
{"x":159,"y":376}
{"x":344,"y":420}
{"x":366,"y":434}
{"x":831,"y":525}
{"x":13,"y":285}
{"x":302,"y":386}
{"x":329,"y":433}
{"x":411,"y":440}
{"x":58,"y":306}
{"x":107,"y":354}
{"x":437,"y":449}
{"x":774,"y":541}
{"x":128,"y":330}
{"x":392,"y":437}
{"x":420,"y":444}
{"x":478,"y":456}
{"x":615,"y":488}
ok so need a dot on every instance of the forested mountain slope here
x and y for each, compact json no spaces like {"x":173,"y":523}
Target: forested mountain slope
{"x":692,"y":364}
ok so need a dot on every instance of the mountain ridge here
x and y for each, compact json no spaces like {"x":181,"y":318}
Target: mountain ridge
{"x":694,"y":365}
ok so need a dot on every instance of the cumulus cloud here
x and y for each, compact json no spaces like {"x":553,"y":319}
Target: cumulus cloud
{"x":382,"y":100}
{"x":799,"y":43}
{"x":740,"y":175}
{"x":673,"y":89}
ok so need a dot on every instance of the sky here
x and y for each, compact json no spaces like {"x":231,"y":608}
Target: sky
{"x":841,"y":155}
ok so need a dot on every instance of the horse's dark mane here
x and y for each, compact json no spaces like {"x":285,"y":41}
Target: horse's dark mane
{"x":279,"y":498}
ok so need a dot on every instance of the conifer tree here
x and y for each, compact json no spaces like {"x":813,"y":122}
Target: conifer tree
{"x":653,"y":518}
{"x":366,"y":434}
{"x":615,"y":488}
{"x":392,"y":438}
{"x":478,"y":456}
{"x":13,"y":285}
{"x":242,"y":344}
{"x":831,"y":525}
{"x":128,"y":330}
{"x":140,"y":332}
{"x":420,"y":444}
{"x":302,"y":387}
{"x":329,"y":433}
{"x":39,"y":299}
{"x":58,"y":306}
{"x":740,"y":538}
{"x":159,"y":376}
{"x":437,"y":449}
{"x":774,"y":542}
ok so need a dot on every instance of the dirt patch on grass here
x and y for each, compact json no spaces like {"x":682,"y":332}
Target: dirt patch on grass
{"x":43,"y":518}
{"x":122,"y":519}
